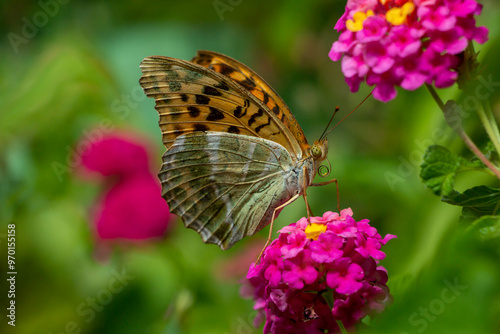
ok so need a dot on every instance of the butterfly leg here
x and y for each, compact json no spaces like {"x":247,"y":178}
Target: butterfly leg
{"x":272,"y":223}
{"x":308,"y":208}
{"x":328,"y":182}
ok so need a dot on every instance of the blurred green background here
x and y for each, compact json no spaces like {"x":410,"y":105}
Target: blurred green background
{"x":78,"y":66}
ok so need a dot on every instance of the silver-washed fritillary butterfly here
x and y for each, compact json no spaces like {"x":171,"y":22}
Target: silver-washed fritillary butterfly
{"x":235,"y":153}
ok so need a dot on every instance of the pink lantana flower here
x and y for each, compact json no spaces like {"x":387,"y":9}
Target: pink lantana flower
{"x":320,"y":271}
{"x":130,"y":207}
{"x":406,"y":43}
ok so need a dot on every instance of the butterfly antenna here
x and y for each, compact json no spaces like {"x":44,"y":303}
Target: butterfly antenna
{"x":349,"y":114}
{"x":330,"y":122}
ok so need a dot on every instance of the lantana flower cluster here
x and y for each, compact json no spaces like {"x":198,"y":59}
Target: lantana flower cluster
{"x":320,"y":271}
{"x":404,"y":43}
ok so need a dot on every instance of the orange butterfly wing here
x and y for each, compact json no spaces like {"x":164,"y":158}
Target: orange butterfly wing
{"x":193,"y":98}
{"x":257,"y":86}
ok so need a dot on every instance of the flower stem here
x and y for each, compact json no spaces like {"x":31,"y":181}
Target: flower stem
{"x":328,"y":296}
{"x":461,"y":133}
{"x":435,"y":96}
{"x":341,"y":326}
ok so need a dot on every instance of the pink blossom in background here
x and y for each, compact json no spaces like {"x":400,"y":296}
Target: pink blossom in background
{"x":132,"y":209}
{"x":118,"y":155}
{"x":318,"y":273}
{"x":406,"y":43}
{"x":131,"y":206}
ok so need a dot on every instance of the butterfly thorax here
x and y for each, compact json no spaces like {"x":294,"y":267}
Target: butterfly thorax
{"x":303,"y":174}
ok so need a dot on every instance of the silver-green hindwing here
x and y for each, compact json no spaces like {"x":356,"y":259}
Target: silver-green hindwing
{"x":226,"y":186}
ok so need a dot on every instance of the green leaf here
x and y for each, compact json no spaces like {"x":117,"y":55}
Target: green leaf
{"x":490,"y":153}
{"x":468,"y":216}
{"x":476,"y":202}
{"x":488,"y":227}
{"x":439,"y":169}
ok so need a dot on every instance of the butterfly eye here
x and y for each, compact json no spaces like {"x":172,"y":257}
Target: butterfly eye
{"x":316,"y":151}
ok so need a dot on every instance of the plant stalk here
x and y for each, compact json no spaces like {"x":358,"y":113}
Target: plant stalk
{"x":461,"y":133}
{"x":490,"y":125}
{"x":341,"y":326}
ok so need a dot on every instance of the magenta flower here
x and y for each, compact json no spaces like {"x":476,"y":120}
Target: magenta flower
{"x":345,"y":276}
{"x":326,"y":248}
{"x":131,"y":207}
{"x":116,"y":155}
{"x":274,"y":271}
{"x":374,"y":29}
{"x":295,"y":244}
{"x":299,"y":271}
{"x":319,"y":272}
{"x":406,"y":43}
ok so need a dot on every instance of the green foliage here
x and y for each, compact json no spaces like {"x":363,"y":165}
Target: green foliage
{"x":80,"y":73}
{"x":476,"y":202}
{"x":440,"y":167}
{"x":480,"y":204}
{"x":488,"y":227}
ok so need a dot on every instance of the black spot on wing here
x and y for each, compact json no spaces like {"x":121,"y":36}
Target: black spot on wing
{"x":266,"y":98}
{"x":233,"y":129}
{"x":238,"y":112}
{"x":247,"y":84}
{"x":222,"y":86}
{"x":276,"y":110}
{"x":200,"y":127}
{"x":257,"y":129}
{"x":215,"y":115}
{"x":193,"y":111}
{"x":225,"y":69}
{"x":211,"y":91}
{"x":184,"y":97}
{"x":254,"y":116}
{"x":202,"y":99}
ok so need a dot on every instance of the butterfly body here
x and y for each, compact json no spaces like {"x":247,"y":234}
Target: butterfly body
{"x":235,"y":153}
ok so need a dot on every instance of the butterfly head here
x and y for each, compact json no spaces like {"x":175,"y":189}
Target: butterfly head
{"x":319,"y":151}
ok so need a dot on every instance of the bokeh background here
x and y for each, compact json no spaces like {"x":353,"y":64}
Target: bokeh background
{"x":79,"y":68}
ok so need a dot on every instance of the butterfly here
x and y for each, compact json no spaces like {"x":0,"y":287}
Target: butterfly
{"x":235,"y":153}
